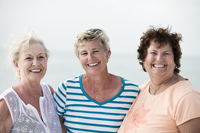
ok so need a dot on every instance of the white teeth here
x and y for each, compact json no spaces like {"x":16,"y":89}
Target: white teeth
{"x":159,"y":66}
{"x":37,"y":70}
{"x":93,"y":64}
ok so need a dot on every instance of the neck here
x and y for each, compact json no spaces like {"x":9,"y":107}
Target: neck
{"x":97,"y":82}
{"x":29,"y":88}
{"x":154,"y":88}
{"x":96,"y":86}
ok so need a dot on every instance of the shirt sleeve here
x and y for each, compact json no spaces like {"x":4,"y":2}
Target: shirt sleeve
{"x":188,"y":108}
{"x":60,"y":98}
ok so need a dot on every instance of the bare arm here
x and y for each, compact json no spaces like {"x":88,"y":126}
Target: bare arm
{"x":62,"y":124}
{"x":5,"y":118}
{"x":191,"y":126}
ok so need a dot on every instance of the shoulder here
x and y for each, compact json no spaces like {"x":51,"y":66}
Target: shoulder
{"x":127,"y":82}
{"x":130,"y":85}
{"x":76,"y":79}
{"x":183,"y":87}
{"x":145,"y":85}
{"x":51,"y":89}
{"x":4,"y":108}
{"x":6,"y":92}
{"x":47,"y":87}
{"x":187,"y":106}
{"x":5,"y":117}
{"x":71,"y":82}
{"x":186,"y":90}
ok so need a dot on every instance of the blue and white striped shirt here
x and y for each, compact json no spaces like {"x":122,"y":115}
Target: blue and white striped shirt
{"x":83,"y":114}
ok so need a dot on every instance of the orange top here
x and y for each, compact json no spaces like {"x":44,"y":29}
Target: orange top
{"x":163,"y":112}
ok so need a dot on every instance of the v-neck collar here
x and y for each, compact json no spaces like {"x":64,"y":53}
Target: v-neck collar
{"x":96,"y":102}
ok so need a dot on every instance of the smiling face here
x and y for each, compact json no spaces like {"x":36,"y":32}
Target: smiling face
{"x":93,"y":57}
{"x":32,"y":63}
{"x":159,"y":60}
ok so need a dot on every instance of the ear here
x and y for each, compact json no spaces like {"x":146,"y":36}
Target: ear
{"x":16,"y":65}
{"x":108,"y":53}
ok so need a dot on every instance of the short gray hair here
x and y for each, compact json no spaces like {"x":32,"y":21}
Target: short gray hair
{"x":91,"y":35}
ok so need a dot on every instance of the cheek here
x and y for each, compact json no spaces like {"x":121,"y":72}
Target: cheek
{"x":44,"y":62}
{"x":171,"y":61}
{"x":22,"y":65}
{"x":45,"y":65}
{"x":81,"y":60}
{"x":145,"y":64}
{"x":174,"y":65}
{"x":147,"y":59}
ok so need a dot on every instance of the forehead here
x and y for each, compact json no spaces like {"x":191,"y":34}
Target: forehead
{"x":96,"y":43}
{"x":157,"y":45}
{"x":33,"y":48}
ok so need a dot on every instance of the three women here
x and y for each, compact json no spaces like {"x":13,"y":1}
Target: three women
{"x":97,"y":101}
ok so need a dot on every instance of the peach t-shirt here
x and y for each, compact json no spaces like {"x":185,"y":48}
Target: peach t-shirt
{"x":162,"y":113}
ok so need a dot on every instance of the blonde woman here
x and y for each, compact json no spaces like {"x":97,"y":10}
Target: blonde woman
{"x":28,"y":106}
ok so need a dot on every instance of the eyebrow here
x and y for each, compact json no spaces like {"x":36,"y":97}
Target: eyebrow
{"x":95,"y":48}
{"x":38,"y":54}
{"x":171,"y":51}
{"x":83,"y":51}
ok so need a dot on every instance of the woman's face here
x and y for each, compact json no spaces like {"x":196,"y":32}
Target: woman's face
{"x":159,"y":60}
{"x":32,"y":63}
{"x":93,"y":57}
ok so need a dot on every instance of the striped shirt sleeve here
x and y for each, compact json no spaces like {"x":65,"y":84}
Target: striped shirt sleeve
{"x":60,"y":97}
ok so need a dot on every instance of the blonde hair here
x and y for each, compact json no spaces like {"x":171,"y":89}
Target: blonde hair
{"x":20,"y":43}
{"x":91,"y":35}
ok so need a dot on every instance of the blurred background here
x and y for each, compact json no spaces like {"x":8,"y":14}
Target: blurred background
{"x":124,"y":21}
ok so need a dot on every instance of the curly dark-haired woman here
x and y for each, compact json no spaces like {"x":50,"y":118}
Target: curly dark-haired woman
{"x":168,"y":103}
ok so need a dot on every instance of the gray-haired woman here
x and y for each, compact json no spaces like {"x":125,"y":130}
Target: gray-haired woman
{"x":96,"y":101}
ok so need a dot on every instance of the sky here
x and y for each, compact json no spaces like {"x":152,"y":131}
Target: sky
{"x":58,"y":22}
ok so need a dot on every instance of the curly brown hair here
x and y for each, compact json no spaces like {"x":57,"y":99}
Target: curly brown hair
{"x":163,"y":37}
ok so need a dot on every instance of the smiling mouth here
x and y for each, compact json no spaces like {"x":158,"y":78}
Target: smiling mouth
{"x":36,"y":70}
{"x":94,"y":64}
{"x":159,"y":66}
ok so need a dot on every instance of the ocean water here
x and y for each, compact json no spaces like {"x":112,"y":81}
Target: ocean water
{"x":63,"y":65}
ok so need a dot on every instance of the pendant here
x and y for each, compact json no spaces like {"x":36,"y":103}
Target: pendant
{"x":97,"y":97}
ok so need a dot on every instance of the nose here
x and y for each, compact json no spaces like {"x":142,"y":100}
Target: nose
{"x":36,"y":62}
{"x":159,"y":56}
{"x":90,"y":56}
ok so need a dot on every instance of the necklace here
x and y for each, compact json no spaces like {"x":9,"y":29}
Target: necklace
{"x":97,"y":96}
{"x":163,"y":83}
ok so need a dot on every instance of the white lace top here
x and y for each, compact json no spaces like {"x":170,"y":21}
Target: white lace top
{"x":26,"y":118}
